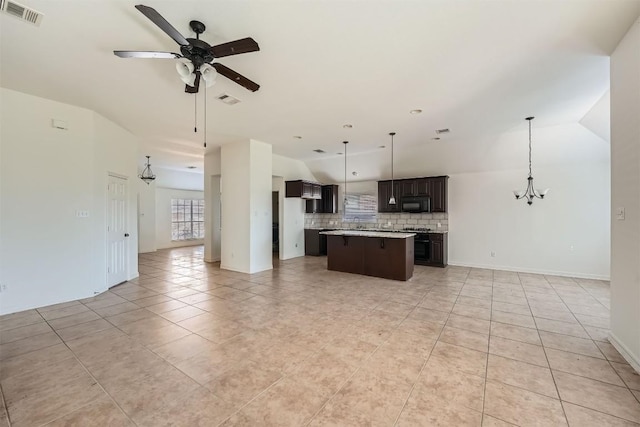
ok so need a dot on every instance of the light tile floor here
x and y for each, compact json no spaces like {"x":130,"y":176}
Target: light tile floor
{"x":188,"y":344}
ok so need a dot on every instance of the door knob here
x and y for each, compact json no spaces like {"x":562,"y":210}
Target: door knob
{"x":126,"y":234}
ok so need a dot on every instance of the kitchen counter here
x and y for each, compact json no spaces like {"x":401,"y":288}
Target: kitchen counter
{"x":381,"y":230}
{"x":366,"y":233}
{"x":388,"y":255}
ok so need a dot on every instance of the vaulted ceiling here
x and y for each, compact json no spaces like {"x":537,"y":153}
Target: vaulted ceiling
{"x":476,"y":67}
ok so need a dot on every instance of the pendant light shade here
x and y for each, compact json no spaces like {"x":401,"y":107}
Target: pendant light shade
{"x":392,"y":199}
{"x":147,"y":175}
{"x":530,"y":193}
{"x":345,"y":175}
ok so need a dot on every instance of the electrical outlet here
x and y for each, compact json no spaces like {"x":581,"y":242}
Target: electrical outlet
{"x":493,"y":254}
{"x":3,"y":288}
{"x":82,"y":214}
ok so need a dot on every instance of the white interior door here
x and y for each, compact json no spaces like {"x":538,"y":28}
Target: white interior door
{"x":117,"y":234}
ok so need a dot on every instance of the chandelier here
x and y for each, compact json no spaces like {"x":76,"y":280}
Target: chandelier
{"x":530,"y":193}
{"x":147,"y":175}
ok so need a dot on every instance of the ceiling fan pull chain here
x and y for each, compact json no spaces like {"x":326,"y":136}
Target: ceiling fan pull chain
{"x":195,"y":113}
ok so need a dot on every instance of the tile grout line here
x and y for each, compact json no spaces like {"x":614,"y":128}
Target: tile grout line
{"x":426,"y":360}
{"x":486,"y":371}
{"x":547,"y":359}
{"x":93,"y":378}
{"x":6,"y":408}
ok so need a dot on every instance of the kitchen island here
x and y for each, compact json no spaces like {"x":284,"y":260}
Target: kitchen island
{"x":380,"y":254}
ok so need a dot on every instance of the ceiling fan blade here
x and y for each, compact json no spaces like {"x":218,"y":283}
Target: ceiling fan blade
{"x":235,"y":47}
{"x":196,"y":85}
{"x":236,"y":77}
{"x":137,"y":54}
{"x":164,"y":25}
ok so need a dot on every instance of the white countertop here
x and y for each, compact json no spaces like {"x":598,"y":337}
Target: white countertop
{"x":361,"y":233}
{"x":374,"y":230}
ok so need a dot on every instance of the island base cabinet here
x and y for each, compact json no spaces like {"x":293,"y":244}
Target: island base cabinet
{"x":387,"y":258}
{"x":346,"y":254}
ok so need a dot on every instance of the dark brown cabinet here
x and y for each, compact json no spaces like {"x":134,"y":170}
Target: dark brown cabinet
{"x":438,"y":193}
{"x":434,"y":187}
{"x":439,"y":249}
{"x":384,"y":194}
{"x":327,"y":203}
{"x":303,"y":189}
{"x":315,"y":244}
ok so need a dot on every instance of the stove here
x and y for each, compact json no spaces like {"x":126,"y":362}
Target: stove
{"x":417,"y":230}
{"x":421,"y":245}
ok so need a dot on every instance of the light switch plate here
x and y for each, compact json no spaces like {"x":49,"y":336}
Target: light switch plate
{"x":620,"y":214}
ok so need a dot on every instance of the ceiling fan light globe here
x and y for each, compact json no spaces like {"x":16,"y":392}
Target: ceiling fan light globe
{"x":392,"y":200}
{"x":184,"y":67}
{"x":543,"y":192}
{"x":189,"y":80}
{"x":209,"y":74}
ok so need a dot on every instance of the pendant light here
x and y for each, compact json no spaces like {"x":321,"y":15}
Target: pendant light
{"x":392,"y":199}
{"x":530,"y":193}
{"x":147,"y":175}
{"x":345,"y":175}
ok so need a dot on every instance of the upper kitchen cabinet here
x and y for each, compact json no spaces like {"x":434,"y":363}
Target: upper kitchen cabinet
{"x":330,"y":199}
{"x":328,"y":203}
{"x":438,"y":192}
{"x":303,"y":189}
{"x":384,"y":194}
{"x":434,"y":187}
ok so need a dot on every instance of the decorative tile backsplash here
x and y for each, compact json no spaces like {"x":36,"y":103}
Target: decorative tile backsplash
{"x":391,"y":221}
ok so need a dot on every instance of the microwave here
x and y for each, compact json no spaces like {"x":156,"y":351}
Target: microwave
{"x":415,"y":204}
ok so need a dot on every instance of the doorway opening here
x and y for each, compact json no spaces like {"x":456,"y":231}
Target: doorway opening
{"x":275,"y":229}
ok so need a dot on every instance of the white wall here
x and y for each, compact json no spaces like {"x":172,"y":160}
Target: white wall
{"x":47,"y":254}
{"x":163,"y":216}
{"x":625,"y":193}
{"x":182,"y":179}
{"x":567,"y":233}
{"x":146,"y":216}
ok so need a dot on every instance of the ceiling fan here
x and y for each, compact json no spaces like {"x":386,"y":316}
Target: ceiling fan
{"x":197,"y":57}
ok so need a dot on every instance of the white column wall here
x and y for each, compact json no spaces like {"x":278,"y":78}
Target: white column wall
{"x":261,"y":207}
{"x":235,"y":198}
{"x":625,"y":193}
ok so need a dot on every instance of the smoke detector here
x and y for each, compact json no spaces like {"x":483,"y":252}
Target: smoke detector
{"x":21,"y":12}
{"x":227,"y":99}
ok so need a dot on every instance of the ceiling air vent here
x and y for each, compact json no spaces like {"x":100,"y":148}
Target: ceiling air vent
{"x":318,"y":150}
{"x":227,"y":99}
{"x":19,"y":11}
{"x":441,"y":131}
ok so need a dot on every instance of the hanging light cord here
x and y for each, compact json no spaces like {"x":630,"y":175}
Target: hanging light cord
{"x":345,"y":173}
{"x":530,"y":146}
{"x":392,"y":134}
{"x":195,"y":112}
{"x":205,"y":116}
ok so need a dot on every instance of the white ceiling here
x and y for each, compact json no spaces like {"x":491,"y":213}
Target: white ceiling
{"x":477,"y":67}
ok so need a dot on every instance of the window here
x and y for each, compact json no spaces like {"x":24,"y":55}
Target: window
{"x":361,"y":208}
{"x":187,"y":219}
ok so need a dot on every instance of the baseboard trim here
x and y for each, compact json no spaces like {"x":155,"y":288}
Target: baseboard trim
{"x":624,"y":352}
{"x":530,"y":270}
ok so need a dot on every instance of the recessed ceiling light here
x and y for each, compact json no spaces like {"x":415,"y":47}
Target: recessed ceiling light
{"x":445,"y":130}
{"x":319,"y":150}
{"x":297,"y":137}
{"x":347,"y":126}
{"x":354,"y":173}
{"x":338,"y":153}
{"x":191,"y":167}
{"x":436,"y":138}
{"x":382,"y":146}
{"x":416,"y":111}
